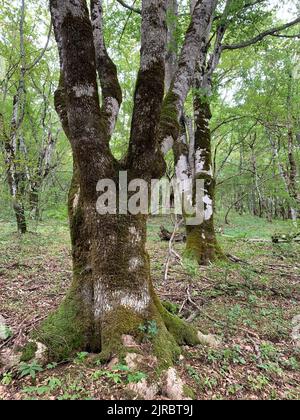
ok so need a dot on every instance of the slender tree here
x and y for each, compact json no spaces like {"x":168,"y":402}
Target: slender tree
{"x":195,"y":160}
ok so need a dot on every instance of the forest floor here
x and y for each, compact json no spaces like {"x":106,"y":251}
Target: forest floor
{"x":250,"y":305}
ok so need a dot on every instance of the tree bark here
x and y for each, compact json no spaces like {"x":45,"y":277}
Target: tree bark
{"x":15,"y":173}
{"x":201,"y":240}
{"x":112,"y":292}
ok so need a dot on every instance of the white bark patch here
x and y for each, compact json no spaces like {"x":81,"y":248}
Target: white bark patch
{"x":106,"y":300}
{"x":76,"y":200}
{"x":84,"y":90}
{"x":135,"y":263}
{"x":167,"y":145}
{"x":182,"y":174}
{"x":112,"y":108}
{"x":135,"y":235}
{"x":208,"y":212}
{"x":200,"y":158}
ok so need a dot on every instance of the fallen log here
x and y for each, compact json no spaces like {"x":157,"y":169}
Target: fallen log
{"x":165,"y":235}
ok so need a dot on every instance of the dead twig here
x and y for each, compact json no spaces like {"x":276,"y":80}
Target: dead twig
{"x":171,"y":251}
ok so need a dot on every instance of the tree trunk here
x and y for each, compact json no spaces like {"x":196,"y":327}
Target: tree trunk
{"x":20,"y":216}
{"x":34,"y":199}
{"x":112,"y":293}
{"x":202,"y":243}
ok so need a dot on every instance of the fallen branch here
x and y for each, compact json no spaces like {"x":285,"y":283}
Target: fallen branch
{"x":165,"y":235}
{"x":171,"y":251}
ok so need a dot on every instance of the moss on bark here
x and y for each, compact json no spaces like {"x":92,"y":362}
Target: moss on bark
{"x":202,"y":245}
{"x":66,"y":330}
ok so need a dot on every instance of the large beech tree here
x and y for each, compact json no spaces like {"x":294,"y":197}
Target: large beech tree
{"x":112,"y":292}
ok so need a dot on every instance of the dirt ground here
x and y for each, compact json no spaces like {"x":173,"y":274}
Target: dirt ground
{"x":250,"y":304}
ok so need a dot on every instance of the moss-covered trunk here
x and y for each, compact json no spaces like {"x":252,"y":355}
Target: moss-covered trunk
{"x":201,"y":239}
{"x":111,"y":293}
{"x":20,"y":216}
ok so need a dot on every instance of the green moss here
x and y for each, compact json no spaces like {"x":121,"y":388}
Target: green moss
{"x":64,"y":331}
{"x":28,"y":352}
{"x":204,"y":251}
{"x":165,"y":348}
{"x":169,"y":115}
{"x":189,"y":392}
{"x":118,"y":322}
{"x":173,"y":332}
{"x":179,"y":329}
{"x":171,"y":307}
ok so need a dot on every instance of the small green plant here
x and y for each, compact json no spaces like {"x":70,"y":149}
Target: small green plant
{"x":258,"y":383}
{"x":271,"y":367}
{"x":231,"y":355}
{"x":120,"y":373}
{"x":292,"y":364}
{"x":51,"y":385}
{"x":149,"y":328}
{"x":81,"y":357}
{"x":30,"y":369}
{"x":194,"y":375}
{"x":98,"y":374}
{"x":51,"y":366}
{"x":122,"y":368}
{"x":115,"y":377}
{"x":191,"y":266}
{"x":234,"y":389}
{"x":5,"y":332}
{"x":136,"y":377}
{"x":268,"y":352}
{"x":7,"y":379}
{"x":209,"y":383}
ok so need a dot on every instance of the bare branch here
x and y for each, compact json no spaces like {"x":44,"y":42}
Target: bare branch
{"x":131,"y":8}
{"x":41,"y":55}
{"x":261,"y":36}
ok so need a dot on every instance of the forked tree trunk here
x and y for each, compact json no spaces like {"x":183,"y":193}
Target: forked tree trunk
{"x":112,"y":292}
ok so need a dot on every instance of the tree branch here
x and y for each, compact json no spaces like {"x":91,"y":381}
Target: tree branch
{"x":41,"y":55}
{"x":78,"y":83}
{"x":195,"y":41}
{"x":131,"y":8}
{"x":261,"y":36}
{"x":149,"y":90}
{"x":107,"y":71}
